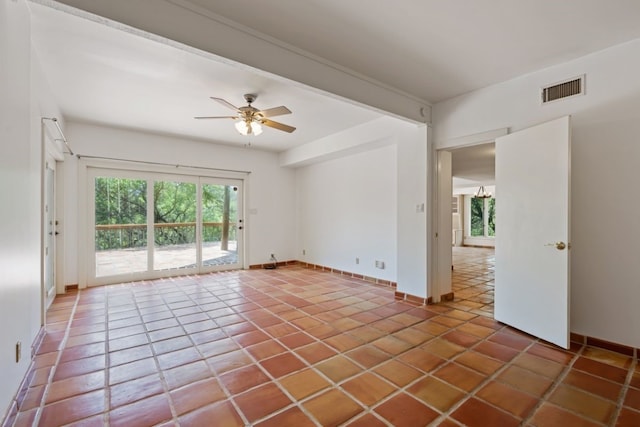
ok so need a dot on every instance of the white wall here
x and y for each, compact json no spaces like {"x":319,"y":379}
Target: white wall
{"x":414,"y":154}
{"x":364,"y":205}
{"x":605,"y":230}
{"x":346,"y":209}
{"x":605,"y":163}
{"x":270,"y":192}
{"x":20,"y":192}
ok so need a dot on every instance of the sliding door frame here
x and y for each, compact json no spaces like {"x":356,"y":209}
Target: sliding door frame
{"x":240,"y":226}
{"x":89,"y":168}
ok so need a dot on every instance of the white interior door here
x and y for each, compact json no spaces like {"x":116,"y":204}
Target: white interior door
{"x":532,"y":230}
{"x":443,"y":247}
{"x":50,"y":233}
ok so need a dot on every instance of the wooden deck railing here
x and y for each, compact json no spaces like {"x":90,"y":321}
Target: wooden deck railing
{"x":124,"y":236}
{"x":159,"y":225}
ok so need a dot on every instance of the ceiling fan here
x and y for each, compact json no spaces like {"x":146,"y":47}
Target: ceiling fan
{"x":249,"y":120}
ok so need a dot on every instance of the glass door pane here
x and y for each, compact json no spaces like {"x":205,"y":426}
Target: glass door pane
{"x":174,"y":225}
{"x":220,"y":207}
{"x":120,"y":226}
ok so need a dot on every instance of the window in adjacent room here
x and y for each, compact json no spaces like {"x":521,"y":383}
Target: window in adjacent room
{"x":483,"y":217}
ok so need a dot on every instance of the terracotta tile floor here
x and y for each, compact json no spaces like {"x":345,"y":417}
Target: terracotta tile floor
{"x":472,"y":280}
{"x":296,"y":347}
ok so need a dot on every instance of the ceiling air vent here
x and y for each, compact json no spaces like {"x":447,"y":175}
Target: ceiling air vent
{"x":563,"y":90}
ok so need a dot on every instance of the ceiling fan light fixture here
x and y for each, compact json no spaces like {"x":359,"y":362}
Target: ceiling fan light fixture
{"x":256,"y":128}
{"x":242,"y":128}
{"x":248,"y":127}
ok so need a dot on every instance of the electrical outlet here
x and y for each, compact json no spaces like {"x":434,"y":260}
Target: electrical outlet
{"x":18,"y":351}
{"x":272,"y":256}
{"x":357,"y":260}
{"x":304,"y":252}
{"x":380,"y":265}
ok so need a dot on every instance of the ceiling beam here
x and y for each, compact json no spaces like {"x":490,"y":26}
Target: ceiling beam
{"x":192,"y":26}
{"x":367,"y":136}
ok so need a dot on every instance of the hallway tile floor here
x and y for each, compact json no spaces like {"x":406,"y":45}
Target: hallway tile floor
{"x":297,"y":347}
{"x":472,"y":279}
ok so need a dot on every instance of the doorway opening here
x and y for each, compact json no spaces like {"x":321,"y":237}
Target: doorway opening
{"x":472,"y":279}
{"x":531,"y":232}
{"x":473,"y":229}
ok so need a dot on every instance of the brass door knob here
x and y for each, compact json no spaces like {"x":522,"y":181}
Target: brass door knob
{"x":559,"y":245}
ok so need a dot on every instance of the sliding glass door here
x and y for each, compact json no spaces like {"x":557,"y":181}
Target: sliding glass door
{"x":120,"y":234}
{"x":174,"y":225}
{"x":149,"y":226}
{"x":220,"y":224}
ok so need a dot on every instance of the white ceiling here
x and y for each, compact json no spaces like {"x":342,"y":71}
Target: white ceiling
{"x":476,"y":162}
{"x":432,"y":49}
{"x":473,"y":166}
{"x":437,"y":49}
{"x":105,"y":75}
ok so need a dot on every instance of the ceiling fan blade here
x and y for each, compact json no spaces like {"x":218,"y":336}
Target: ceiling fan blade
{"x":216,"y":117}
{"x":275,"y":111}
{"x":225,"y":103}
{"x":277,"y":125}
